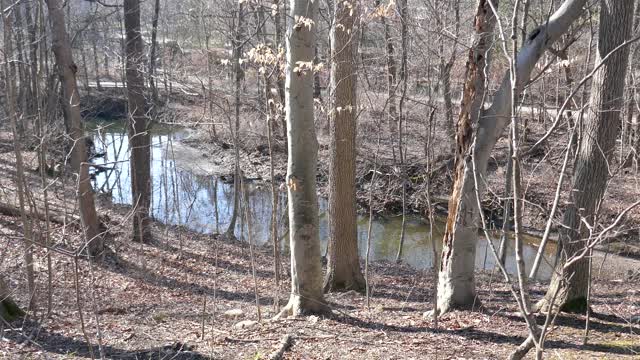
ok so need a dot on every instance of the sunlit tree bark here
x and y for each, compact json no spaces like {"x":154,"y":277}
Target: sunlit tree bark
{"x":139,"y":139}
{"x":343,"y":269}
{"x":592,"y":170}
{"x":306,"y":268}
{"x":67,"y":70}
{"x":457,"y":284}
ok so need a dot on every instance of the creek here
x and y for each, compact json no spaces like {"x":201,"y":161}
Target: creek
{"x":204,"y":203}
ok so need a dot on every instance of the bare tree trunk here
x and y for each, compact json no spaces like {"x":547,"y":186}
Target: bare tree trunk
{"x":635,"y":56}
{"x":239,"y":75}
{"x":96,"y":65}
{"x":67,"y":70}
{"x":456,"y":281}
{"x":280,"y":79}
{"x":601,"y":127}
{"x":457,"y":285}
{"x":306,"y":267}
{"x":152,"y":52}
{"x":445,"y":67}
{"x":85,"y":70}
{"x":139,"y":139}
{"x":10,"y":79}
{"x":343,"y":268}
{"x":34,"y":105}
{"x":391,"y":73}
{"x":23,"y":90}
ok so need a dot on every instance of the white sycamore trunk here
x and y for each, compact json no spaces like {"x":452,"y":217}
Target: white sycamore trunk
{"x":456,"y":285}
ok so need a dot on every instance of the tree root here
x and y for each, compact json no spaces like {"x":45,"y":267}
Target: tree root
{"x":300,"y":306}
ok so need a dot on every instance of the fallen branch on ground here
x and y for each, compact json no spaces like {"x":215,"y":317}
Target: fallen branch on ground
{"x":285,"y":344}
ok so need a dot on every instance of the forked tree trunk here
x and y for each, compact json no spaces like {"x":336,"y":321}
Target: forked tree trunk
{"x":71,"y":101}
{"x":343,"y":268}
{"x":457,"y":284}
{"x":139,"y":139}
{"x":600,"y":131}
{"x":306,"y":267}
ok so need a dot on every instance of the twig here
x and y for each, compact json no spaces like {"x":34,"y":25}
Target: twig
{"x":285,"y":344}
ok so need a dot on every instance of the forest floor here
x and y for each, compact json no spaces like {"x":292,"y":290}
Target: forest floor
{"x":149,"y":301}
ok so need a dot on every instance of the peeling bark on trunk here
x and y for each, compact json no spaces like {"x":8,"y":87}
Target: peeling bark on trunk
{"x":71,"y":104}
{"x":457,"y":285}
{"x":306,"y":267}
{"x":343,"y":268}
{"x":600,"y":131}
{"x":139,"y":139}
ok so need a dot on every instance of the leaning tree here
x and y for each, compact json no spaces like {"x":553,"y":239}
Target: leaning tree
{"x":456,"y":284}
{"x":600,"y":130}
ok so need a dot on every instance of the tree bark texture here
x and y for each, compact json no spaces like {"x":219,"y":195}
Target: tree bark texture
{"x":343,"y":268}
{"x":457,"y":285}
{"x":11,"y":104}
{"x":152,"y":52}
{"x":592,"y":170}
{"x":139,"y":139}
{"x":306,"y":267}
{"x":71,"y":103}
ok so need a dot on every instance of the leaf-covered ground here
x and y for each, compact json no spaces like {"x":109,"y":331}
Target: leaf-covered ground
{"x":150,"y":302}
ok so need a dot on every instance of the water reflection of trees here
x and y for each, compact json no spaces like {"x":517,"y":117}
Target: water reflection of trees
{"x":204,"y":203}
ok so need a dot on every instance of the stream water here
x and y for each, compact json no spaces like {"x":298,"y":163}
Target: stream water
{"x":204,"y":203}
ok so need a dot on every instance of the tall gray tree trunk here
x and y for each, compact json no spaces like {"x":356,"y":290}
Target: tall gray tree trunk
{"x":343,"y":269}
{"x":71,"y":101}
{"x":139,"y":139}
{"x":600,"y":131}
{"x":457,"y":284}
{"x":306,"y":267}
